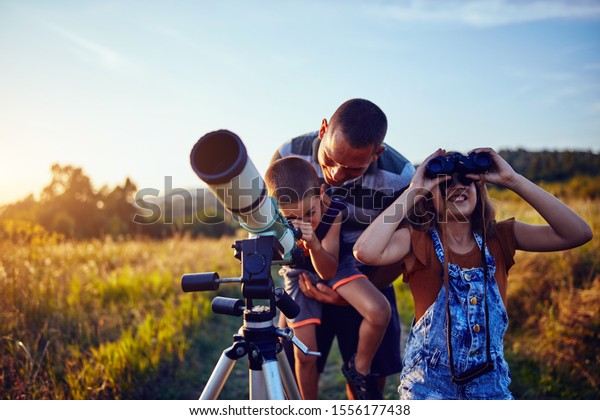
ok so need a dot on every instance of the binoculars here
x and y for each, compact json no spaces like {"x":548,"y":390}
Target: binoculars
{"x":456,"y":163}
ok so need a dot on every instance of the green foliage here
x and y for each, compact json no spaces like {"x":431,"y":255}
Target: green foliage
{"x":70,"y":206}
{"x":552,"y":166}
{"x":405,"y":303}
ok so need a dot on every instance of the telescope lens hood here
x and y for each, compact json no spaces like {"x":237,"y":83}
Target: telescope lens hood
{"x":218,"y":157}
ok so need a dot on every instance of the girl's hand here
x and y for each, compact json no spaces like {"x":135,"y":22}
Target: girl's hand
{"x":420,"y":181}
{"x":500,"y":173}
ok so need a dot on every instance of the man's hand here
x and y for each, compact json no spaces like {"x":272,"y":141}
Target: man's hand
{"x":320,"y":292}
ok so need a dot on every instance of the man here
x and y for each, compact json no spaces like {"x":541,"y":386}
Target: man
{"x":351,"y":159}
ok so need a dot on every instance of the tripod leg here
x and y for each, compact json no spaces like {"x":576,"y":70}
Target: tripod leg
{"x":258,"y":389}
{"x":218,"y":377}
{"x":289,"y":381}
{"x":273,"y":380}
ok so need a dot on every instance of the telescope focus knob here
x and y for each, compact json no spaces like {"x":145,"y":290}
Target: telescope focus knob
{"x":254,"y":263}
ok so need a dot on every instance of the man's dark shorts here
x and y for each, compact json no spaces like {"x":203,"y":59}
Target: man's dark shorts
{"x":343,"y":322}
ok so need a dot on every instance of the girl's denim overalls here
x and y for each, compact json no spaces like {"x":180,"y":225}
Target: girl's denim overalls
{"x":426,"y":373}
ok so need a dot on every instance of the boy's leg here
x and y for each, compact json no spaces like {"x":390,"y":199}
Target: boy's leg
{"x":306,"y":366}
{"x":375,"y":310}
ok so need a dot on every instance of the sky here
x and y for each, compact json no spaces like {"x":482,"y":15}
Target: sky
{"x":125,"y":88}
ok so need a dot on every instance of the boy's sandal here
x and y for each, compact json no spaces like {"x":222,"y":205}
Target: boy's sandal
{"x":364,"y":387}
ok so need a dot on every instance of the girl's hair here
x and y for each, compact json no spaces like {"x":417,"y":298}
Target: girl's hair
{"x":424,"y":217}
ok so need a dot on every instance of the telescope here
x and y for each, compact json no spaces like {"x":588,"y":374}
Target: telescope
{"x":220,"y":159}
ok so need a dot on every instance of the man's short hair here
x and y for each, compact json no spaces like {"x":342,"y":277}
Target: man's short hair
{"x":361,"y":122}
{"x":291,"y":179}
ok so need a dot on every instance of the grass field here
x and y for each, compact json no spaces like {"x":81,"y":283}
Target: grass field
{"x":107,"y":319}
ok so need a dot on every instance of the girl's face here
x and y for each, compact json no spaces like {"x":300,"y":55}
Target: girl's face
{"x":461,"y":199}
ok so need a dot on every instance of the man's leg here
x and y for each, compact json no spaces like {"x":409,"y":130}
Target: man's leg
{"x":343,"y":322}
{"x":325,"y":335}
{"x":388,"y":360}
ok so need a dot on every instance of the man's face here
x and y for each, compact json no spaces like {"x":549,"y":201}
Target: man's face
{"x":340,"y":161}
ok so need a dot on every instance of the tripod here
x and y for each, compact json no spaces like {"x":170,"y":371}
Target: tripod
{"x":270,"y":375}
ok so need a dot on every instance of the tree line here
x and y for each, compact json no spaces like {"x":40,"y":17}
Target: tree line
{"x":552,"y":166}
{"x":71,"y":206}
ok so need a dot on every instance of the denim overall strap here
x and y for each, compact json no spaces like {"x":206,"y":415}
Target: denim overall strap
{"x":491,"y":262}
{"x":426,"y":373}
{"x":486,"y":366}
{"x":453,"y":268}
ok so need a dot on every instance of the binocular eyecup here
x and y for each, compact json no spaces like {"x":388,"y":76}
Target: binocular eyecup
{"x":456,"y":163}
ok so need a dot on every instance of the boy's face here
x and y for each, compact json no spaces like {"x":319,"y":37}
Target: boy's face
{"x":307,"y":210}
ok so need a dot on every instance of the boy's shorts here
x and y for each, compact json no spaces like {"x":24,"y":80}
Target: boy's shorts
{"x":310,"y":309}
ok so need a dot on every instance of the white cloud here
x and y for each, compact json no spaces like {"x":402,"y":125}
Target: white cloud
{"x":489,"y":13}
{"x":103,"y":55}
{"x":176,"y":35}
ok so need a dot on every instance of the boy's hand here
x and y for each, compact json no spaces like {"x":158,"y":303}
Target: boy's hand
{"x":309,"y":238}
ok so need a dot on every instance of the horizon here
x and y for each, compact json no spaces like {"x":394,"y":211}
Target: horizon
{"x":201,"y":186}
{"x":125,"y":89}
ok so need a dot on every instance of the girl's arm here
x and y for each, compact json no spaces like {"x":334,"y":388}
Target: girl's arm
{"x":565,"y":229}
{"x":381,"y":243}
{"x":323,"y":254}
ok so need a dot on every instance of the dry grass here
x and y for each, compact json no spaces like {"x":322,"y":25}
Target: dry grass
{"x":107,"y":319}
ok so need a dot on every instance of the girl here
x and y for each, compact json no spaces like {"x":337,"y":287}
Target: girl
{"x":456,"y":260}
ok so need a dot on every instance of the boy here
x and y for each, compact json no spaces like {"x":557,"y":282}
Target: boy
{"x":294,"y":183}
